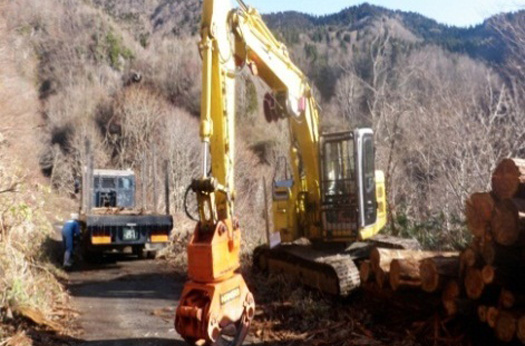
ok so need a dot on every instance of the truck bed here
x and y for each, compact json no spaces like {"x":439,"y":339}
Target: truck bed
{"x":117,"y":230}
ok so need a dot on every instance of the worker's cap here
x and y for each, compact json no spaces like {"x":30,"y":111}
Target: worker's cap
{"x":74,"y":216}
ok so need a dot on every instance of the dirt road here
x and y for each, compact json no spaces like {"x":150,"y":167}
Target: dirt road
{"x":123,"y":301}
{"x":126,"y":302}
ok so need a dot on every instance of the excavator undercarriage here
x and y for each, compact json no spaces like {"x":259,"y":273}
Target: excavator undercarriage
{"x":329,"y":268}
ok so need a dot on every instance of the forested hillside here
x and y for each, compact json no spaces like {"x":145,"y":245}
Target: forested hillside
{"x":445,"y":102}
{"x":446,"y":105}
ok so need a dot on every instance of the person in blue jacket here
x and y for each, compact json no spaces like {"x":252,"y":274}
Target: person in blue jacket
{"x":70,"y":230}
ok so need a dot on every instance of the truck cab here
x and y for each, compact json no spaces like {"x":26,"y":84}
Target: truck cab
{"x":112,"y":220}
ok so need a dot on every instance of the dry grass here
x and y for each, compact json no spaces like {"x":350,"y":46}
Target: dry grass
{"x":288,"y":314}
{"x":28,"y":279}
{"x":29,"y":289}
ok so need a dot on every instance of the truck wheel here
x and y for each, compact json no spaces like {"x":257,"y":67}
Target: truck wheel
{"x":151,"y":254}
{"x":138,"y":250}
{"x":91,"y":256}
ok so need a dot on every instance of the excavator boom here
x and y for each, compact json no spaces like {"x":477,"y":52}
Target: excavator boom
{"x":325,"y":200}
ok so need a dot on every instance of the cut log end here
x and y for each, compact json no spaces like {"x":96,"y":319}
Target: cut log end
{"x":507,"y":177}
{"x":468,"y":258}
{"x":474,"y":284}
{"x":451,"y":307}
{"x":520,"y":333}
{"x":507,"y":299}
{"x":404,"y":273}
{"x":435,"y":272}
{"x":506,"y":325}
{"x":429,"y":276}
{"x":506,"y":221}
{"x":482,"y":313}
{"x":478,"y":211}
{"x":488,"y":274}
{"x":492,"y":316}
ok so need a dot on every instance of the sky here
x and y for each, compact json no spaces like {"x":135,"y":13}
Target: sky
{"x":452,"y":12}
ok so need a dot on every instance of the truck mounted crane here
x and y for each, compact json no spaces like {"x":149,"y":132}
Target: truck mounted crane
{"x":335,"y":199}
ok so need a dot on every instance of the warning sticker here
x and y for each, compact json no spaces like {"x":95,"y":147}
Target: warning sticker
{"x":230,"y":295}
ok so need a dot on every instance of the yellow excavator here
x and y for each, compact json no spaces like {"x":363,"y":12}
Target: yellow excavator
{"x":333,"y":201}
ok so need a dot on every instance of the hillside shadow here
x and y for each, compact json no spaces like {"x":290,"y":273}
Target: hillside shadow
{"x":143,"y":285}
{"x":53,"y":249}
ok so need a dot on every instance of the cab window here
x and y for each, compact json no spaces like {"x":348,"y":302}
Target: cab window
{"x":125,"y":183}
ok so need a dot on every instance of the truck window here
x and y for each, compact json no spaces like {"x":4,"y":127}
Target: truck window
{"x":125,"y":183}
{"x":108,"y":183}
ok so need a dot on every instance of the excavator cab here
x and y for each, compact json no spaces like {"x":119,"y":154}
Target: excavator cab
{"x":348,"y":184}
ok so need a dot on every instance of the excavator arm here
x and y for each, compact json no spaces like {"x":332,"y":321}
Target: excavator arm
{"x":291,"y":98}
{"x":216,"y":306}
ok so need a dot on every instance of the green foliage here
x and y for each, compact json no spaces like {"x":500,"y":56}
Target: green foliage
{"x":317,"y":35}
{"x":311,"y":51}
{"x":291,"y":36}
{"x":325,"y":77}
{"x":16,"y":292}
{"x":251,"y":97}
{"x":21,"y":210}
{"x":479,"y":41}
{"x":143,"y":39}
{"x":250,"y":104}
{"x":115,"y":50}
{"x":431,"y":232}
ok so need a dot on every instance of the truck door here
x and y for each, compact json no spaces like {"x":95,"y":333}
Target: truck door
{"x":366,"y":177}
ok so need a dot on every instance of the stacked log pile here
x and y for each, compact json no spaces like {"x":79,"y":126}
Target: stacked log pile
{"x":493,"y":267}
{"x":487,"y":279}
{"x":428,"y":271}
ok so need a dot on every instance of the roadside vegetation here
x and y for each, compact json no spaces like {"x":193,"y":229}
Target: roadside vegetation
{"x":31,"y":294}
{"x":444,"y":108}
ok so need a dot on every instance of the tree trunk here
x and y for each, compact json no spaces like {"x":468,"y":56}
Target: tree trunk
{"x":404,"y":273}
{"x":508,"y":179}
{"x":507,"y":221}
{"x":450,"y":296}
{"x":478,"y":211}
{"x":381,"y":257}
{"x":381,"y":275}
{"x":365,"y":271}
{"x":435,"y":271}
